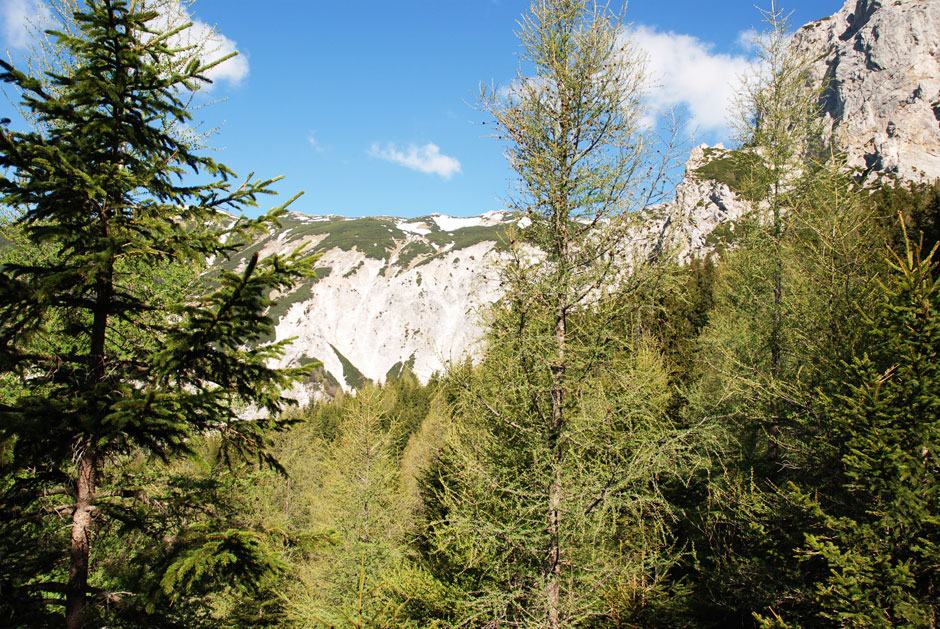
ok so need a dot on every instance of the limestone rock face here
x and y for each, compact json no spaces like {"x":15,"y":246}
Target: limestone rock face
{"x":700,"y":205}
{"x":390,"y":294}
{"x":396,"y":293}
{"x":365,"y":319}
{"x":881,"y":59}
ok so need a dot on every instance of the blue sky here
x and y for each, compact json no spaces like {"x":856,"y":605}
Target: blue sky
{"x":367,"y":106}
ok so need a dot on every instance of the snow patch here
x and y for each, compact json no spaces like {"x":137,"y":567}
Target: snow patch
{"x":450,"y":223}
{"x":494,"y":217}
{"x":307,"y":218}
{"x":415,"y":228}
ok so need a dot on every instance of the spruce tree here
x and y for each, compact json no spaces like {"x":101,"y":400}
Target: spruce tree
{"x":876,"y":525}
{"x":103,"y":357}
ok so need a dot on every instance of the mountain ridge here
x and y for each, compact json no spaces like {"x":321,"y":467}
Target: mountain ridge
{"x":394,"y":292}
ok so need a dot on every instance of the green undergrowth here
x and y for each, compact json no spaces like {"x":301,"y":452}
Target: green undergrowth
{"x":739,"y":170}
{"x":320,"y":375}
{"x":400,"y":368}
{"x":353,"y":377}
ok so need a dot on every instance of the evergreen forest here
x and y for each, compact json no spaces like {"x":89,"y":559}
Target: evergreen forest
{"x":747,"y":439}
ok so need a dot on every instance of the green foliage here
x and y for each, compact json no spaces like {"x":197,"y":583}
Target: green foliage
{"x":918,"y":205}
{"x":351,"y":466}
{"x":231,"y":556}
{"x":788,"y":299}
{"x":468,"y":236}
{"x":378,"y":237}
{"x":545,"y":503}
{"x":413,"y":251}
{"x":361,"y":503}
{"x":400,"y":369}
{"x":351,"y":374}
{"x":742,"y":171}
{"x":746,"y":441}
{"x":787,"y":311}
{"x":878,"y":514}
{"x":112,"y":347}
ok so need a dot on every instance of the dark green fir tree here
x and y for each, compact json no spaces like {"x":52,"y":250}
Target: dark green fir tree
{"x":877,"y":535}
{"x":110,"y":364}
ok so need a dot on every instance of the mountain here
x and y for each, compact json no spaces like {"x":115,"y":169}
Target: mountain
{"x":390,"y":293}
{"x":881,"y":62}
{"x":395,"y":294}
{"x":880,"y":65}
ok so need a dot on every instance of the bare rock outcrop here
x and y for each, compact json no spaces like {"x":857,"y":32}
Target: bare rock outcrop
{"x":881,"y":60}
{"x":700,"y":205}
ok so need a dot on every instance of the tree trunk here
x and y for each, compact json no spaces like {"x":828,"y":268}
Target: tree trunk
{"x":553,"y":559}
{"x":553,"y":554}
{"x":86,"y":474}
{"x":77,"y":587}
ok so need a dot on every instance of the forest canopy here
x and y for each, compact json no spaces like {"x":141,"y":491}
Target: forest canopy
{"x":748,"y":439}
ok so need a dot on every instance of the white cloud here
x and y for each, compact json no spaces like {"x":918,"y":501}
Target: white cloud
{"x":22,"y":20}
{"x":748,"y":40}
{"x":17,"y":17}
{"x":686,"y":72}
{"x":425,"y":159}
{"x":211,"y":43}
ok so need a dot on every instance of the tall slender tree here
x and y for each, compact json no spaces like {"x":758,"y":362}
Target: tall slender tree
{"x":104,"y":358}
{"x":358,"y":498}
{"x":788,"y":303}
{"x":547,"y":494}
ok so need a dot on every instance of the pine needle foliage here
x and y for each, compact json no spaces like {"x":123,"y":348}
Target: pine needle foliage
{"x":104,"y":355}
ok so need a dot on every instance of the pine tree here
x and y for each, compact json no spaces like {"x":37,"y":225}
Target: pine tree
{"x":103,"y":357}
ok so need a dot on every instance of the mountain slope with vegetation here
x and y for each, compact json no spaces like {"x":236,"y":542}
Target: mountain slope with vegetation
{"x":722,"y":412}
{"x":388,"y":292}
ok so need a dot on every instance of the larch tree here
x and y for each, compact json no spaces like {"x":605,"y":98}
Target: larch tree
{"x":788,"y":295}
{"x":104,"y":359}
{"x":547,"y":497}
{"x":359,"y":503}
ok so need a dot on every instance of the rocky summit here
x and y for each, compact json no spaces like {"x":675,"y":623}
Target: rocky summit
{"x":881,"y":63}
{"x":398,"y":294}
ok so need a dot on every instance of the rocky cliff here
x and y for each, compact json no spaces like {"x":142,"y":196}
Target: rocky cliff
{"x":879,"y":65}
{"x":395,"y":294}
{"x":703,"y":201}
{"x":881,"y":61}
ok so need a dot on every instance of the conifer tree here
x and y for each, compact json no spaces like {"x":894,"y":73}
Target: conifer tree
{"x":357,"y":500}
{"x":103,"y":358}
{"x":877,"y":529}
{"x":546,"y":498}
{"x":788,"y":296}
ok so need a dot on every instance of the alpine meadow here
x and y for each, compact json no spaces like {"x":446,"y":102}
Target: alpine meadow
{"x":633,"y":395}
